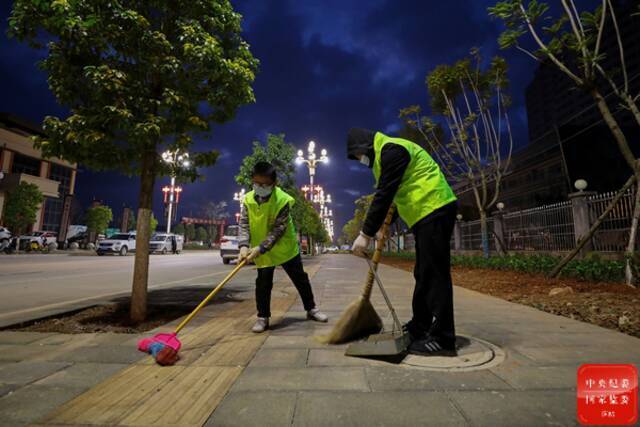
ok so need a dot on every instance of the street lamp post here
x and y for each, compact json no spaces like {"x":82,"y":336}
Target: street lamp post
{"x":239,"y":197}
{"x":312,"y":161}
{"x":176,"y":160}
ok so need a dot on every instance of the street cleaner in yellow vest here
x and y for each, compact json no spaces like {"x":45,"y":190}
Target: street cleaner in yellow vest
{"x":268,"y":236}
{"x":406,"y":175}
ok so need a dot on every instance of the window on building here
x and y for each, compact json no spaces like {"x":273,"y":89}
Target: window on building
{"x":61,"y":174}
{"x":52,"y":214}
{"x":25,"y":164}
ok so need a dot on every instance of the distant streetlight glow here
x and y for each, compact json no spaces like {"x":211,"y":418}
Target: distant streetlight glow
{"x":311,"y":161}
{"x":176,"y":160}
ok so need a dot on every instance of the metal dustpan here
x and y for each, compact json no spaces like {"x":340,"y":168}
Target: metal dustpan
{"x":383,"y":344}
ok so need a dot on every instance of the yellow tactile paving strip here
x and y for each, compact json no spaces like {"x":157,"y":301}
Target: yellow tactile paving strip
{"x":212,"y":357}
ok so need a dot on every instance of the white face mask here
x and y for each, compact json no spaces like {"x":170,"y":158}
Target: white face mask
{"x":365,"y":160}
{"x":262,"y":190}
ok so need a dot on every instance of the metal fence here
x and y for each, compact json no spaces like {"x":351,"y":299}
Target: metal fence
{"x":613,"y":233}
{"x":472,"y":235}
{"x":549,"y":228}
{"x":545,"y":228}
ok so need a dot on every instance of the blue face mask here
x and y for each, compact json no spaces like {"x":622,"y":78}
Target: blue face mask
{"x":365,"y":160}
{"x":262,"y":190}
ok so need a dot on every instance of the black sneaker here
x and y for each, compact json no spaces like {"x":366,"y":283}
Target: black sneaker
{"x":414,"y":333}
{"x":430,"y":346}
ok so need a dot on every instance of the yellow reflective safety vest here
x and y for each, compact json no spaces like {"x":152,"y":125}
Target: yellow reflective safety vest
{"x":261,"y":220}
{"x":423,"y":188}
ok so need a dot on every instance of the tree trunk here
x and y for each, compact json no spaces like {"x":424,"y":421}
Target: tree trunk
{"x":633,"y":107}
{"x":621,"y":140}
{"x":583,"y":240}
{"x":484,"y":234}
{"x":138,"y":309}
{"x":631,"y":247}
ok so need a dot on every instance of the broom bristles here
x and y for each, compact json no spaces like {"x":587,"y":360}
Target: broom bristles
{"x":358,"y":321}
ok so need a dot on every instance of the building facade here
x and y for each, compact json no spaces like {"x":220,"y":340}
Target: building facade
{"x":20,"y":162}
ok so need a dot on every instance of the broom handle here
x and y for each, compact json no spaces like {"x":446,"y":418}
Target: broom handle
{"x":211,"y":295}
{"x":375,"y":259}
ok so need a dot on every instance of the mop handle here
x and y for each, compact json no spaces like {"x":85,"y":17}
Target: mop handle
{"x":211,"y":295}
{"x":366,"y":292}
{"x":396,"y":322}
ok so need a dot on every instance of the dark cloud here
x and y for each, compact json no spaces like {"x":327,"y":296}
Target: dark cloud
{"x":325,"y":66}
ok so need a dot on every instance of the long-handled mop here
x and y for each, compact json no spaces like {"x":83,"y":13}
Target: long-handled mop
{"x":164,"y":347}
{"x":360,"y":318}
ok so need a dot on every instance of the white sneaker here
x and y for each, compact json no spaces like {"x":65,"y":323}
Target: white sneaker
{"x":317,"y":315}
{"x":261,"y":325}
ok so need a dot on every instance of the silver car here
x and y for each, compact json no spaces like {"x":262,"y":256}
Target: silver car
{"x":162,"y":243}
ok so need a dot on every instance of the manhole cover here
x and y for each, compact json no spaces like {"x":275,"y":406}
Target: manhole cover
{"x":473,"y":354}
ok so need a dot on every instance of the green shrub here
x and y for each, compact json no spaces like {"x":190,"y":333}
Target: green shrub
{"x":593,"y":267}
{"x":401,"y":255}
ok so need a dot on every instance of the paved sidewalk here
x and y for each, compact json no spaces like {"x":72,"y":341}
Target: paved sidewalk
{"x":290,"y":379}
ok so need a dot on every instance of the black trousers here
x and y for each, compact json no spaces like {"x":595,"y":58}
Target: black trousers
{"x":300,"y":279}
{"x":433,"y":294}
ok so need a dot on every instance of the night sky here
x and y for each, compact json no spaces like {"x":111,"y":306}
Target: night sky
{"x":325,"y":66}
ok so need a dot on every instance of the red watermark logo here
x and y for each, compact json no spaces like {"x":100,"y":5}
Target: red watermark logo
{"x":607,"y":394}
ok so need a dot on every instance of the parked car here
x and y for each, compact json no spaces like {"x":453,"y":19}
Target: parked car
{"x":120,"y":243}
{"x":37,"y":240}
{"x":229,"y":244}
{"x":5,"y":238}
{"x":161,"y":242}
{"x":79,"y":238}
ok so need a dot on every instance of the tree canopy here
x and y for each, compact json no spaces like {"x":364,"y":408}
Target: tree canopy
{"x":22,"y":206}
{"x":138,"y":78}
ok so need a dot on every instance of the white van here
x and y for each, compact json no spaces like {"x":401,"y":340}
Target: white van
{"x":120,"y":243}
{"x":229,"y":244}
{"x":161,"y":243}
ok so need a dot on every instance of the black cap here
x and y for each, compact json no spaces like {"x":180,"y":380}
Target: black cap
{"x":359,"y":142}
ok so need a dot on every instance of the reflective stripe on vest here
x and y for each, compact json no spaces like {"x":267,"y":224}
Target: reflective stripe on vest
{"x":261,"y":220}
{"x":423,"y":188}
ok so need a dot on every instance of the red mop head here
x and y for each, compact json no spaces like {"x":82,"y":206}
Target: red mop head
{"x":167,"y":357}
{"x":170,"y":340}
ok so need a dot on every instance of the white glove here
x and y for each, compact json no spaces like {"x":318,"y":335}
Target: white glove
{"x":379,"y":235}
{"x":253,"y":253}
{"x":244,"y":252}
{"x":361,"y":244}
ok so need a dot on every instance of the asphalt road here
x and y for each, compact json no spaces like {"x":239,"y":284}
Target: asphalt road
{"x":32,"y":286}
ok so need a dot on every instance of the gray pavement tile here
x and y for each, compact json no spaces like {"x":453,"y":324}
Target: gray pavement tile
{"x":375,"y":409}
{"x":254,"y":408}
{"x":336,"y":357}
{"x":589,"y":353}
{"x":82,"y":375}
{"x":17,"y":337}
{"x":34,"y":402}
{"x":287,"y":379}
{"x":60,"y":339}
{"x":280,"y":358}
{"x":408,"y":378}
{"x":518,"y":408}
{"x":537,"y":377}
{"x":601,"y":338}
{"x":100,"y":354}
{"x":22,"y":373}
{"x":18,"y":353}
{"x":284,"y":341}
